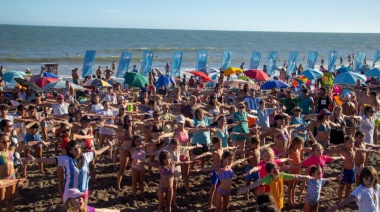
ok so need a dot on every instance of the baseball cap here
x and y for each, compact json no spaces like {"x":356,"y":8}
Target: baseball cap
{"x":71,"y":193}
{"x":180,"y":119}
{"x":324,"y":112}
{"x":60,"y":96}
{"x":120,"y":98}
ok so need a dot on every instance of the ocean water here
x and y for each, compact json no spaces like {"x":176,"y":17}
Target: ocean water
{"x":24,"y":47}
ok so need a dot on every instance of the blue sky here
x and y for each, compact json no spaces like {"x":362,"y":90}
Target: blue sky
{"x":241,"y":15}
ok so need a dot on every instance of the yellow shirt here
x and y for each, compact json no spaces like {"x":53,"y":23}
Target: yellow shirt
{"x":276,"y":186}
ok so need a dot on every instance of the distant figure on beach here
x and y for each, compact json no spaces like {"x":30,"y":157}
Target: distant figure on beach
{"x":265,"y":68}
{"x":135,"y":69}
{"x":108,"y":73}
{"x":99,"y":72}
{"x":242,"y":66}
{"x":77,"y":54}
{"x":75,"y":76}
{"x":341,"y":60}
{"x":322,"y":61}
{"x":167,"y":67}
{"x":113,"y":66}
{"x":28,"y":72}
{"x":56,"y":70}
{"x":283,"y":75}
{"x":349,"y":58}
{"x":365,"y":60}
{"x":299,"y":69}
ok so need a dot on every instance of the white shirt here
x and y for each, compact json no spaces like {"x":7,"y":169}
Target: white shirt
{"x":367,"y":198}
{"x":111,"y":98}
{"x":60,"y":109}
{"x":367,"y":125}
{"x":106,"y":130}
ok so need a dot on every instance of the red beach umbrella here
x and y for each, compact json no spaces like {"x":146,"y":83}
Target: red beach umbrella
{"x":257,"y":75}
{"x":201,"y":74}
{"x":44,"y":81}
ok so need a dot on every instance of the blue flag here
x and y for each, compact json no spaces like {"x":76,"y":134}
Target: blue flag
{"x":88,"y":62}
{"x":176,"y":64}
{"x":332,"y":58}
{"x":312,"y":59}
{"x":226,"y":60}
{"x":146,"y":63}
{"x":255,"y":60}
{"x":292,"y":64}
{"x":376,"y":58}
{"x":359,"y":61}
{"x":125,"y":59}
{"x":272,"y":58}
{"x":201,"y":60}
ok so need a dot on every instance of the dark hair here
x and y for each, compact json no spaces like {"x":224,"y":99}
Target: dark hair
{"x":268,"y":207}
{"x":368,"y":171}
{"x":135,"y":137}
{"x":4,"y":107}
{"x":125,"y":120}
{"x":359,"y":132}
{"x":3,"y":123}
{"x":215,"y":140}
{"x":32,"y":107}
{"x":227,"y":154}
{"x":313,"y":169}
{"x":92,"y":98}
{"x":367,"y":108}
{"x":163,"y":155}
{"x":71,"y":145}
{"x":270,"y":166}
{"x":305,"y":90}
{"x":265,"y":198}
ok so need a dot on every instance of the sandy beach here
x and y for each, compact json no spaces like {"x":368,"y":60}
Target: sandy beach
{"x":41,"y":193}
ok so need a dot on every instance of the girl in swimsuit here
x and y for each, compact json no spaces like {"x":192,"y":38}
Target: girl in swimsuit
{"x":323,"y":125}
{"x":225,"y":175}
{"x":119,"y":122}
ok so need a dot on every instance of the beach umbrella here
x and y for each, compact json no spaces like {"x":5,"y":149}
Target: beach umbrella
{"x":96,"y":83}
{"x":135,"y":79}
{"x":164,"y":80}
{"x":365,"y":68}
{"x":204,"y":70}
{"x":61,"y":85}
{"x":349,"y":78}
{"x":371,"y":73}
{"x":10,"y":76}
{"x":201,"y":74}
{"x":344,"y":69}
{"x":274,"y":84}
{"x":44,"y":81}
{"x":232,"y":70}
{"x":235,"y":83}
{"x":243,"y":77}
{"x":311,"y":74}
{"x":47,"y":74}
{"x":300,"y":80}
{"x":27,"y":84}
{"x":257,"y":75}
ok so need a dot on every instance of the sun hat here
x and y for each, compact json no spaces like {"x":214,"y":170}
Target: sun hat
{"x":297,"y":108}
{"x":71,"y":193}
{"x":180,"y":119}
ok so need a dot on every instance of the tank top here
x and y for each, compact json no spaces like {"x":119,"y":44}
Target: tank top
{"x":323,"y":103}
{"x":183,"y":138}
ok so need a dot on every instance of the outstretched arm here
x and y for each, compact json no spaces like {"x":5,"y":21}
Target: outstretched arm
{"x":342,"y":203}
{"x":254,"y":185}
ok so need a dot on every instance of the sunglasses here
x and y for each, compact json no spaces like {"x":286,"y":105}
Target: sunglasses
{"x":371,"y":111}
{"x":241,"y":107}
{"x":66,"y":130}
{"x":156,"y":115}
{"x":4,"y":142}
{"x":10,"y":125}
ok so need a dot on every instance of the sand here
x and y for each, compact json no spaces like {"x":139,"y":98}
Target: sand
{"x":41,"y":193}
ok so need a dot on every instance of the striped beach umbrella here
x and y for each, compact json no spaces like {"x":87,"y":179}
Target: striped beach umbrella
{"x":11,"y":75}
{"x":61,"y":85}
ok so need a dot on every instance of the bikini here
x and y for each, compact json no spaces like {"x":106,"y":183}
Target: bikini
{"x":88,"y":144}
{"x":164,"y":171}
{"x":156,"y":129}
{"x":183,"y":139}
{"x":322,"y":128}
{"x":225,"y":175}
{"x":4,"y":159}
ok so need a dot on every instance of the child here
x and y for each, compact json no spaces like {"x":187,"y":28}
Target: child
{"x":294,"y":152}
{"x":366,"y":195}
{"x":316,"y":159}
{"x":225,"y":175}
{"x":166,"y":169}
{"x":254,"y":155}
{"x":360,"y":157}
{"x":349,"y":153}
{"x":216,"y":160}
{"x":268,"y":156}
{"x":314,"y":187}
{"x":275,"y":180}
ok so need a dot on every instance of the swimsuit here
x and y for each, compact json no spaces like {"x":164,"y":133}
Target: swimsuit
{"x":348,"y":176}
{"x":313,"y":190}
{"x":225,"y":175}
{"x":254,"y":175}
{"x":164,"y":171}
{"x":138,"y":155}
